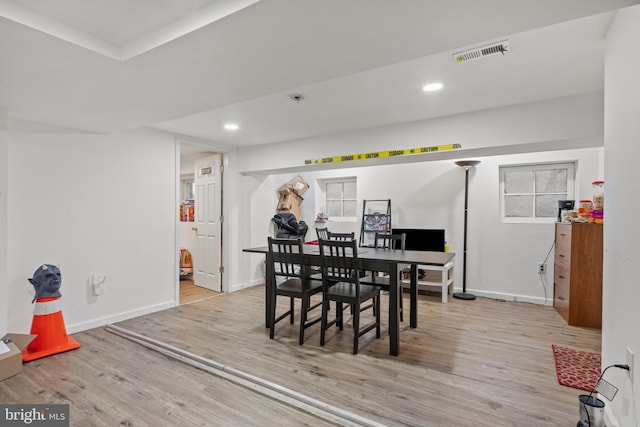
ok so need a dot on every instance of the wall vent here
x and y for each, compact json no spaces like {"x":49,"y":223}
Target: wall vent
{"x":480,"y":52}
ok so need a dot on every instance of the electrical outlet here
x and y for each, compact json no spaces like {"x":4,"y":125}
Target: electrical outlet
{"x":98,"y":283}
{"x":542,"y":268}
{"x":630,"y":360}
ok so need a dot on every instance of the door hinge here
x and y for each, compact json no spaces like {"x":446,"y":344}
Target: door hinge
{"x":221,"y":219}
{"x":221,"y":169}
{"x":221,"y":269}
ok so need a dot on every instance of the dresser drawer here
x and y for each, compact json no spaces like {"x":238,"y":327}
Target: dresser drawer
{"x":562,"y":259}
{"x":563,"y":247}
{"x":561,"y":291}
{"x":561,"y":282}
{"x":563,"y":232}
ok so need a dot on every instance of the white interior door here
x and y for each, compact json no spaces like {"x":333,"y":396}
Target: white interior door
{"x":208,"y":212}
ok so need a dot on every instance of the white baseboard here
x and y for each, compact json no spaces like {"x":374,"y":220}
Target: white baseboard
{"x":252,"y":283}
{"x":486,"y":294}
{"x":118,"y":317}
{"x":509,"y":297}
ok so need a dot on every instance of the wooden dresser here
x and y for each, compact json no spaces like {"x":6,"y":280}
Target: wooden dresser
{"x":577,"y":290}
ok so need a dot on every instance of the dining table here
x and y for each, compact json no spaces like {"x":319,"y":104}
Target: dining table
{"x":383,"y":260}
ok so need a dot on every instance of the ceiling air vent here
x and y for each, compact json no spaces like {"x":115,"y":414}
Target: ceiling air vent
{"x":481,"y":52}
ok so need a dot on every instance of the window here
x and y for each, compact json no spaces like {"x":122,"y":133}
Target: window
{"x":340,"y":198}
{"x":188,"y":189}
{"x":530,"y":193}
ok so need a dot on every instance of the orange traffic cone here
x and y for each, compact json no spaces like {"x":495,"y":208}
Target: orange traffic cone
{"x":48,"y":324}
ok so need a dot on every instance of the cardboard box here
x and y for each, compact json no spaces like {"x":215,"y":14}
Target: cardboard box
{"x":298,"y":185}
{"x":290,"y":202}
{"x":11,"y":359}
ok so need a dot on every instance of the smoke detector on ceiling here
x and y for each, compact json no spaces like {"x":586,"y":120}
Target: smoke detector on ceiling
{"x":480,"y":52}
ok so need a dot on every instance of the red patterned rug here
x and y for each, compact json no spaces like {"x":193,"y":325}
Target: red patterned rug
{"x":576,"y":368}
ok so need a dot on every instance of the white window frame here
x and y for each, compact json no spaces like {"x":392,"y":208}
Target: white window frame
{"x":186,"y":184}
{"x":323,"y":196}
{"x":570,"y":166}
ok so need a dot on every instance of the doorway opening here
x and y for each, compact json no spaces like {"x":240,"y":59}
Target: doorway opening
{"x":199,"y":224}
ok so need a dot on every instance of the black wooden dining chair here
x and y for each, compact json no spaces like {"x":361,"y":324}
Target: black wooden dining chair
{"x":392,"y":242}
{"x":341,"y":283}
{"x":322,"y":233}
{"x":289,"y":278}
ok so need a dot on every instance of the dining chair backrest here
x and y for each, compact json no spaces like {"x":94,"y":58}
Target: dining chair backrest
{"x":390,"y":241}
{"x":285,"y":254}
{"x":341,"y":236}
{"x":339,"y":261}
{"x":323,"y":233}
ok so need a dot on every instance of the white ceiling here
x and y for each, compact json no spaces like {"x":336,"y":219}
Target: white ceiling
{"x":189,"y":66}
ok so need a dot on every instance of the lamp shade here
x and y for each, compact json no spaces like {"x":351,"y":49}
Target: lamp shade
{"x":467,"y":163}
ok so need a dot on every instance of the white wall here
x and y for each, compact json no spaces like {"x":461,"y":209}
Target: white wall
{"x":502,"y":258}
{"x":249,"y":207}
{"x":92,"y":204}
{"x":621,"y":293}
{"x":4,"y":164}
{"x":547,"y":125}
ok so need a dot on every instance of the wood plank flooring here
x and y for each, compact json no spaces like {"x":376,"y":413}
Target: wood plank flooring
{"x":469,"y":363}
{"x":189,"y":292}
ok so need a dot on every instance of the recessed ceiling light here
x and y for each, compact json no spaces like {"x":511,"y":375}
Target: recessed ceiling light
{"x":432,"y":87}
{"x":231,"y":126}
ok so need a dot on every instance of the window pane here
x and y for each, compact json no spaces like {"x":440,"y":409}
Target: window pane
{"x":551,"y":181}
{"x":518,"y":206}
{"x":334,"y":190}
{"x":530,"y":193}
{"x":350,"y":208}
{"x":334,"y":208}
{"x":547,"y":206}
{"x":189,"y":190}
{"x":350,"y":191}
{"x":518,"y":182}
{"x":340,"y":198}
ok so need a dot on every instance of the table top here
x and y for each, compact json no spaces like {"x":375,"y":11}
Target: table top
{"x":381,"y":255}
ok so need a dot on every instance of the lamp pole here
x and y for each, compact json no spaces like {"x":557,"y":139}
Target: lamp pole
{"x":466,"y":164}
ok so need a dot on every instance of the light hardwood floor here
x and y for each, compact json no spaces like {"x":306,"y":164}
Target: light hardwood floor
{"x":189,"y":292}
{"x":469,"y":363}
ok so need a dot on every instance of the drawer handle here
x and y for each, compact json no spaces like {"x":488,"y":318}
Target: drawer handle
{"x":561,"y":298}
{"x":560,"y":276}
{"x":561,"y":256}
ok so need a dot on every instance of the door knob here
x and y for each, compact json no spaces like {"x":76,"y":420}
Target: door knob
{"x":194,"y":229}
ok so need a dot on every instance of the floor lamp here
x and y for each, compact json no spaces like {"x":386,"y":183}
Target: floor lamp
{"x":466,"y":164}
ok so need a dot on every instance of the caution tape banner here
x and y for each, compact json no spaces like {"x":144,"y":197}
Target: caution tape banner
{"x":382,"y":154}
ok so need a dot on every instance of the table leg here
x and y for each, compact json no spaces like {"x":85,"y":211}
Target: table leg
{"x":444,"y":284}
{"x":413,"y":292}
{"x":267,"y":289}
{"x":394,"y":311}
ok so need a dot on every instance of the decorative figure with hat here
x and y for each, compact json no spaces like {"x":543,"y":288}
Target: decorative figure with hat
{"x":48,"y":323}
